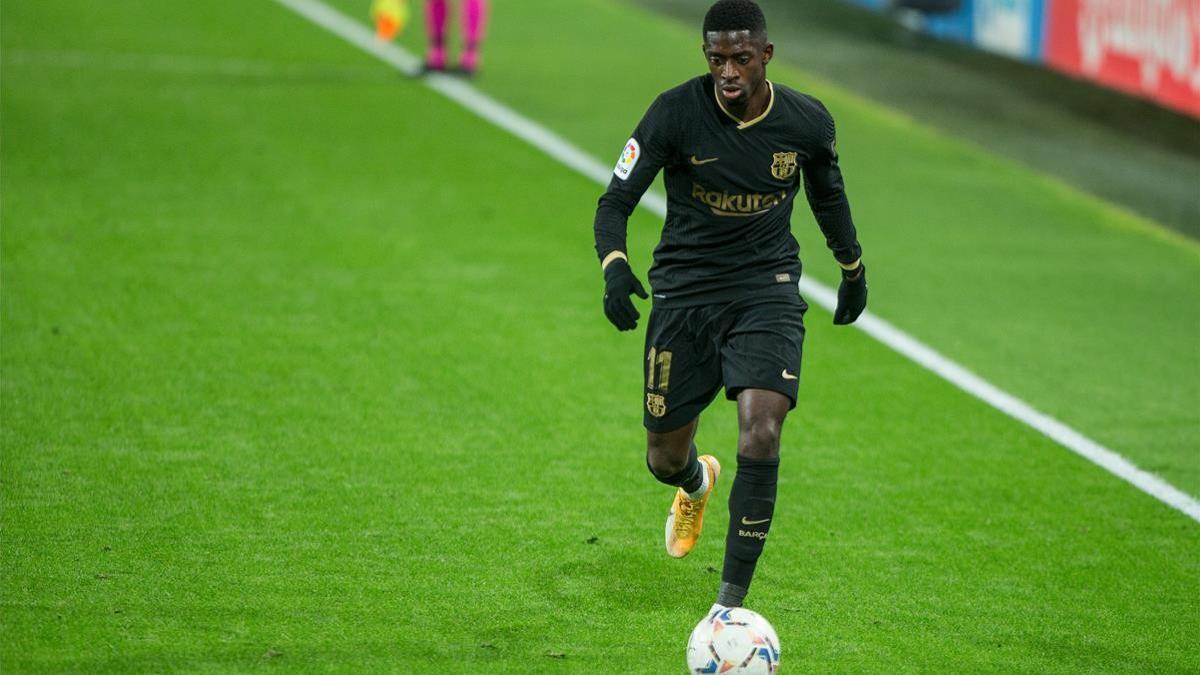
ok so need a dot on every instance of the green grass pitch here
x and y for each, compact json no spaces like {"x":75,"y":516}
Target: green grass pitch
{"x":304,"y":369}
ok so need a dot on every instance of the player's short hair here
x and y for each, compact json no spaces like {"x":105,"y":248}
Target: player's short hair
{"x":735,"y":15}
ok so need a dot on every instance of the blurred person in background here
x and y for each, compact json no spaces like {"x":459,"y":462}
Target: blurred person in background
{"x":474,"y":22}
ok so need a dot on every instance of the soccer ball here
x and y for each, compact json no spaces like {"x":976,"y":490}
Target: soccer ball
{"x":734,"y":640}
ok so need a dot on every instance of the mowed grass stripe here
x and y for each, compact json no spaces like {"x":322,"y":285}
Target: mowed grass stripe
{"x":249,"y":410}
{"x":571,"y":156}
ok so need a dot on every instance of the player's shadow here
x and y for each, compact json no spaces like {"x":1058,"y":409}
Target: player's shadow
{"x":631,"y":574}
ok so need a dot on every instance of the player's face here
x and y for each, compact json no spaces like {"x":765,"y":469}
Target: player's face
{"x":738,"y":63}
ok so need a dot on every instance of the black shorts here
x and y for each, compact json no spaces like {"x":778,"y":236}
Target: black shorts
{"x":691,"y":352}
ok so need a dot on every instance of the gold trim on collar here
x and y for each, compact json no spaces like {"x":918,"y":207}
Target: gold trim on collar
{"x":756,"y":120}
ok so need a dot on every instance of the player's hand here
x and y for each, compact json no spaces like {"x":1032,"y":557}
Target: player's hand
{"x":619,"y":284}
{"x":852,"y":296}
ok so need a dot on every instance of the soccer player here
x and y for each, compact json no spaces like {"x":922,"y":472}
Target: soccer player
{"x":474,"y":23}
{"x":735,"y":149}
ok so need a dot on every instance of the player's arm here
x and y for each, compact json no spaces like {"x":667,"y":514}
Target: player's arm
{"x":646,"y":152}
{"x":826,"y":193}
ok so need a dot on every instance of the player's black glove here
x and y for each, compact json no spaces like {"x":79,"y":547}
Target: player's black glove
{"x":852,"y":295}
{"x":619,"y":284}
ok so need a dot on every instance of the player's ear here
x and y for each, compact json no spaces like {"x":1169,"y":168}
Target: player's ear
{"x":768,"y":52}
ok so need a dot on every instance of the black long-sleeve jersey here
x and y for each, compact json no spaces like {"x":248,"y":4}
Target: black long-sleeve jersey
{"x":730,"y":186}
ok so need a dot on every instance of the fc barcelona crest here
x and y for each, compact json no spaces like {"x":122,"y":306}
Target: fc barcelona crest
{"x":783,"y":166}
{"x":656,"y":405}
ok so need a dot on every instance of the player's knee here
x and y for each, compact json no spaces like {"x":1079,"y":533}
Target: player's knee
{"x":663,"y":462}
{"x":759,"y":438}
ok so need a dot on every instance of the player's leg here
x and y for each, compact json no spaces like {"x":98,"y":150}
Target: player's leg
{"x":761,"y":353}
{"x":682,"y":377}
{"x":673,"y":459}
{"x":752,"y":498}
{"x":671,"y":455}
{"x":436,"y":13}
{"x":474,"y":25}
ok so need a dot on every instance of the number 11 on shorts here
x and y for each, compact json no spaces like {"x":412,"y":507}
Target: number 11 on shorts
{"x":661,"y":362}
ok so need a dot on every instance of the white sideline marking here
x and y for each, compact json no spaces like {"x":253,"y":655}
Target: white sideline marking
{"x":547,"y":141}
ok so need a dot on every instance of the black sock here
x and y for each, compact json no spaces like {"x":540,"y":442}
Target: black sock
{"x":690,"y":477}
{"x":751,"y":507}
{"x":730,"y":595}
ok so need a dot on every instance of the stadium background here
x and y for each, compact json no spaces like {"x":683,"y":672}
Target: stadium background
{"x":304,"y":368}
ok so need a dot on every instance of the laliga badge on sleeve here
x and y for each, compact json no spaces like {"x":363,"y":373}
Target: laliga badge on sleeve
{"x":629,"y":159}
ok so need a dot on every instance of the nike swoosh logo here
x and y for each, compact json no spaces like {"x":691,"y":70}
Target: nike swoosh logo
{"x":699,"y":162}
{"x":753,"y":522}
{"x":789,"y":376}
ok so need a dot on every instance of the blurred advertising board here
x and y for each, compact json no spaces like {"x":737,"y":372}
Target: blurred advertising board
{"x":1009,"y":27}
{"x":1149,"y":48}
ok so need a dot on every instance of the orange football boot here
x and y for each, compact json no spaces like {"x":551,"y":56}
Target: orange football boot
{"x":686,"y":517}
